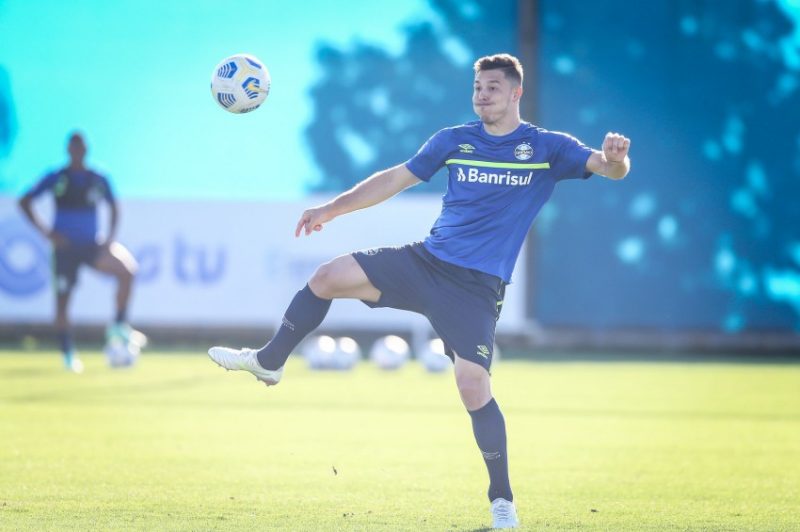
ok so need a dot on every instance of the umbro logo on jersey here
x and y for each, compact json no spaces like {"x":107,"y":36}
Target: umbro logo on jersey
{"x":94,"y":195}
{"x":466,"y":148}
{"x":523,"y":152}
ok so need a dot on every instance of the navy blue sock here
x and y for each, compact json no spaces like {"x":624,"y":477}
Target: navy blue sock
{"x":489,"y":428}
{"x":65,"y":341}
{"x":305,"y":313}
{"x":122,"y":315}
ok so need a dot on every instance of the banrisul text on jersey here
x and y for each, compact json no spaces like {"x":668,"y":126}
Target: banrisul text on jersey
{"x":496,"y":186}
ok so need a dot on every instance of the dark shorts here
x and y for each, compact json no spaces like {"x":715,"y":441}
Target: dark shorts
{"x":462,"y":305}
{"x":68,"y":260}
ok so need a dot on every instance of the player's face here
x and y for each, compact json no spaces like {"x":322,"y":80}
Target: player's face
{"x":76,"y":149}
{"x":494,"y":96}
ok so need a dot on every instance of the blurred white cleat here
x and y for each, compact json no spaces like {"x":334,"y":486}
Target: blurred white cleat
{"x":72,"y":362}
{"x":244,"y":359}
{"x":127,"y":334}
{"x":504,"y":514}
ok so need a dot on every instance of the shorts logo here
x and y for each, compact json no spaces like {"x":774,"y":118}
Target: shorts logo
{"x":62,"y":284}
{"x":523,"y":152}
{"x":483,"y":351}
{"x":466,"y":148}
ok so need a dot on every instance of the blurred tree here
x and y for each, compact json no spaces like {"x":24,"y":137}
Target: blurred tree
{"x":373,"y":110}
{"x":705,"y":234}
{"x":7,"y":129}
{"x":7,"y":122}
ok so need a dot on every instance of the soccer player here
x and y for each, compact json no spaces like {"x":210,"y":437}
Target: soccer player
{"x":501,"y":171}
{"x":77,"y":191}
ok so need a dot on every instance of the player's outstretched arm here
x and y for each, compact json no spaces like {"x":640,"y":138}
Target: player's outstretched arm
{"x":26,"y":204}
{"x":613,"y":162}
{"x":378,"y":187}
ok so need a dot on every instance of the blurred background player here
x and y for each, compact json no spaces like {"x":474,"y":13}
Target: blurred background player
{"x":77,"y":192}
{"x":501,"y":172}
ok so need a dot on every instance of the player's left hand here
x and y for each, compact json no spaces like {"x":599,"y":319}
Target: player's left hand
{"x":312,"y":220}
{"x":615,"y":147}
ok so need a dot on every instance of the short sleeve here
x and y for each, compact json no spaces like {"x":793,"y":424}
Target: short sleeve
{"x":108,"y":193}
{"x":46,"y":183}
{"x":430,"y":157}
{"x":571,"y":156}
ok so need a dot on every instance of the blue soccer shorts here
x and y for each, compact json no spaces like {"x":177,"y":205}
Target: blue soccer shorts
{"x":67,"y":261}
{"x":462,"y":305}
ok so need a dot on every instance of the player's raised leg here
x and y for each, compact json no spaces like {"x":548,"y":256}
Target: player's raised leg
{"x":489,"y":427}
{"x":342,"y":277}
{"x":117,"y":261}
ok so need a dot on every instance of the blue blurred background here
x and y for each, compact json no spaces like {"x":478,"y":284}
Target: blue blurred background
{"x":704,"y":235}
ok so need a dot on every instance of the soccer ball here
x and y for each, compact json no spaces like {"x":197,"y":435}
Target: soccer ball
{"x":324,"y":352}
{"x":240,"y":83}
{"x":432,"y":357}
{"x":389,"y":352}
{"x":347,"y":353}
{"x":120,"y":354}
{"x":319,"y":352}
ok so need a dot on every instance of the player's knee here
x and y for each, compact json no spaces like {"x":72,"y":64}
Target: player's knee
{"x":132,"y":268}
{"x":128,"y":266}
{"x":474,"y":389}
{"x":468,"y":384}
{"x":323,"y":282}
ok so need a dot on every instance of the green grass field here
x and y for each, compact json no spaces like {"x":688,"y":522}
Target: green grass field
{"x":178,"y":444}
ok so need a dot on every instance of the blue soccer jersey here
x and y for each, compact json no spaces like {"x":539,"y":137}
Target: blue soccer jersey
{"x":76,"y":193}
{"x":496,"y":187}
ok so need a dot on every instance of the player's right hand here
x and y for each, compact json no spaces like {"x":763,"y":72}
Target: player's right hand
{"x":57,"y":239}
{"x":312,"y":220}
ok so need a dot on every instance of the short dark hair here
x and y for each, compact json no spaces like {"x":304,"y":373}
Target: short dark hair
{"x":509,"y":64}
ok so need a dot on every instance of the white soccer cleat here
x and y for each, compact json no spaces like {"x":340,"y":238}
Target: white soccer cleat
{"x":72,"y":362}
{"x":127,"y":334}
{"x":244,"y":359}
{"x":504,"y":514}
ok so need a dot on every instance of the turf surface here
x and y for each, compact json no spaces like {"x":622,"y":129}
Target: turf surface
{"x":178,"y":444}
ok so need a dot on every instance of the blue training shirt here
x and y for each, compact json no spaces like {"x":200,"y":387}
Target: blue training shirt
{"x":76,"y":193}
{"x":496,"y":187}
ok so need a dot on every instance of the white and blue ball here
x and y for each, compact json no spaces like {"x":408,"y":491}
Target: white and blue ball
{"x":328,"y":353}
{"x":120,"y":354}
{"x":390,"y":352}
{"x":432,"y":357}
{"x":240,"y":83}
{"x":348,"y":353}
{"x":319,"y":352}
